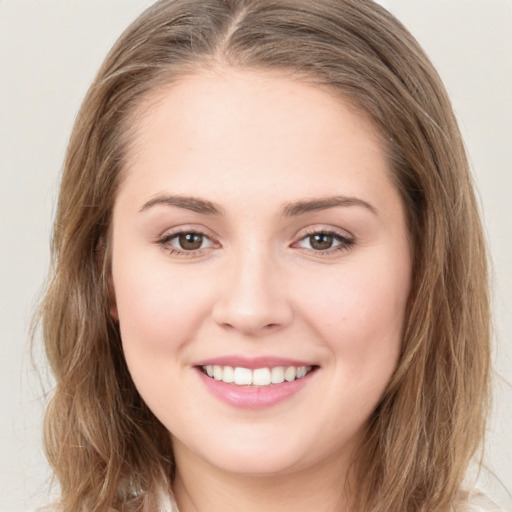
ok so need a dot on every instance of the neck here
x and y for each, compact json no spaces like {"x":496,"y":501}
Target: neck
{"x":201,"y":487}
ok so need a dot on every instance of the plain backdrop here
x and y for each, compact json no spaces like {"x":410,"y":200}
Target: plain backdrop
{"x":49,"y":52}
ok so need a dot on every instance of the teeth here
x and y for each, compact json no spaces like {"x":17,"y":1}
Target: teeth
{"x":261,"y":377}
{"x":228,"y":374}
{"x":301,"y":372}
{"x":258,"y":377}
{"x":243,"y":376}
{"x":277,"y":375}
{"x":290,"y":373}
{"x":217,"y":372}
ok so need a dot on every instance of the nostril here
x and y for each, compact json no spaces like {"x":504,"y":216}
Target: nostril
{"x":227,"y":326}
{"x":252,"y":305}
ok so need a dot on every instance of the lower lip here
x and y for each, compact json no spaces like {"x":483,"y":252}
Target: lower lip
{"x":253,"y":397}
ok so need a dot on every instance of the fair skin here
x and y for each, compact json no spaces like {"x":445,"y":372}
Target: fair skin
{"x":257,"y":227}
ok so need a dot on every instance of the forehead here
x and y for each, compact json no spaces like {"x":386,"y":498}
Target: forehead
{"x":215,"y":129}
{"x":257,"y":96}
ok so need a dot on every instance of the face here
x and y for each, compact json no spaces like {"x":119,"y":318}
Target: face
{"x":260,"y":270}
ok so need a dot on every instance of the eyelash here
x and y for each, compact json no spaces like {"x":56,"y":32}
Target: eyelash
{"x":166,"y":242}
{"x":344,"y":242}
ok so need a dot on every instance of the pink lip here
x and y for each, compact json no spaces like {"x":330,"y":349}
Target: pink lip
{"x":253,"y":397}
{"x":253,"y":362}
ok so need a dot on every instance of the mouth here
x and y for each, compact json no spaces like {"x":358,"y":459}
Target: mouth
{"x":255,"y":383}
{"x":257,"y":377}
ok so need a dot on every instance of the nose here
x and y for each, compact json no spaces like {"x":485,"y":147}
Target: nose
{"x":252,"y":297}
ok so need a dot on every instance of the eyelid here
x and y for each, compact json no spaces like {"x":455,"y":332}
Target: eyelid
{"x":345,"y":238}
{"x":187,"y":228}
{"x":324,"y":229}
{"x":164,"y":240}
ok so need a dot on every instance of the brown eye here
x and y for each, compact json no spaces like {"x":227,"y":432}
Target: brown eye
{"x":187,"y":243}
{"x":321,"y":241}
{"x":325,"y":242}
{"x":190,"y":241}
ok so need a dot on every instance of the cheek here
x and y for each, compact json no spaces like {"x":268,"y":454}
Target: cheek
{"x":365,"y":302}
{"x":360,"y":314}
{"x":159,"y":309}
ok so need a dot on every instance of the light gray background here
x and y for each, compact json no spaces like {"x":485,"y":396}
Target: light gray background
{"x":49,"y":52}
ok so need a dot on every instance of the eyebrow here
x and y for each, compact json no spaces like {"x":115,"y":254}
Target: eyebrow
{"x":313,"y":205}
{"x":194,"y":204}
{"x":293,"y":209}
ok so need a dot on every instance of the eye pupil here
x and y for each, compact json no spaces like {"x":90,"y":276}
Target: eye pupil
{"x":321,"y":241}
{"x":190,"y":241}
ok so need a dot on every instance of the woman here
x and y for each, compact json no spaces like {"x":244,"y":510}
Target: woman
{"x":269,"y":288}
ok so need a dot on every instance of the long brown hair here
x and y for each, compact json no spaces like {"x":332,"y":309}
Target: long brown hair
{"x":106,"y":448}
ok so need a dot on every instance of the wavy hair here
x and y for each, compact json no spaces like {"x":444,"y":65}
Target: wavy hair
{"x":107,"y":450}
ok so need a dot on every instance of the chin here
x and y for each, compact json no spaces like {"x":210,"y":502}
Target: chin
{"x":260,"y":455}
{"x":258,"y":463}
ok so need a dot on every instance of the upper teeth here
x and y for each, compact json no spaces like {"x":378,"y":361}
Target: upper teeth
{"x":258,"y":377}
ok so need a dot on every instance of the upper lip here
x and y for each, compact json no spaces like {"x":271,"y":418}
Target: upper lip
{"x":253,"y":363}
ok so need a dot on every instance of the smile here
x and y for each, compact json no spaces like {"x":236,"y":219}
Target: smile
{"x":260,"y":377}
{"x":255,"y":383}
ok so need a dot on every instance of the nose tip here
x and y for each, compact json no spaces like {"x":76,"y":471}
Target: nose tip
{"x":250,"y":322}
{"x":252,"y":301}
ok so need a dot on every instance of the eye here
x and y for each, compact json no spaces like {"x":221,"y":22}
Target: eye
{"x":186,"y":242}
{"x":325,"y":242}
{"x":189,"y":241}
{"x":320,"y":241}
